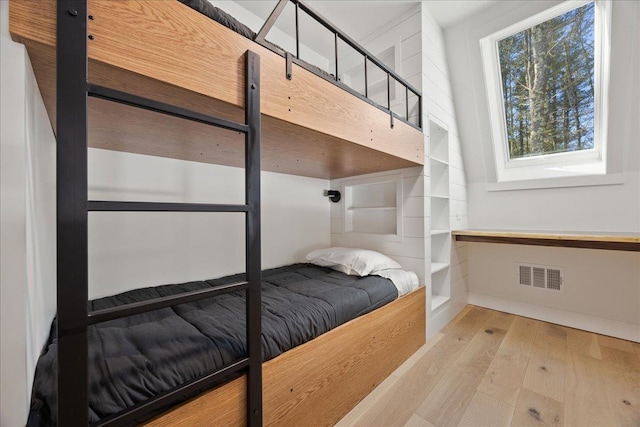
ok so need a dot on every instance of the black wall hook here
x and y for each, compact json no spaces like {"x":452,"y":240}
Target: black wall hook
{"x":334,"y":195}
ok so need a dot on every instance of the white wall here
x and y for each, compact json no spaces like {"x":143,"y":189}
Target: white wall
{"x":27,"y":227}
{"x":130,"y":250}
{"x":13,"y":387}
{"x":602,"y":284}
{"x":601,"y":288}
{"x":422,"y":63}
{"x":411,"y":250}
{"x":594,"y":208}
{"x":40,"y":222}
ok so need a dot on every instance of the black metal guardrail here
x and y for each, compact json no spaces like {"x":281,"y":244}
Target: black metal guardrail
{"x":340,"y":36}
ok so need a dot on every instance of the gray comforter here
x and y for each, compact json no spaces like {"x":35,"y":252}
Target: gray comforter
{"x":138,"y":357}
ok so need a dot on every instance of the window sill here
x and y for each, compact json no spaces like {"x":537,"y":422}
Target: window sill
{"x":568,"y":181}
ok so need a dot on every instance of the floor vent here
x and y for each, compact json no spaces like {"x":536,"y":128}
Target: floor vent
{"x":525,"y":275}
{"x":541,"y":277}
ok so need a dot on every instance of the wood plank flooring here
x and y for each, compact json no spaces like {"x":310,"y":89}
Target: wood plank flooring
{"x":489,"y":368}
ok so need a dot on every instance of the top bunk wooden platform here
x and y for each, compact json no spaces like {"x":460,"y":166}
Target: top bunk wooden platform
{"x":166,"y":51}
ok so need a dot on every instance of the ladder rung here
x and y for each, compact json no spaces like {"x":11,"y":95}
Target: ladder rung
{"x":106,"y":205}
{"x":121,"y":311}
{"x":160,"y":107}
{"x":182,"y":392}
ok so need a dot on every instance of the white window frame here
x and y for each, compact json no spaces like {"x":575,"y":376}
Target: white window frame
{"x":569,"y":164}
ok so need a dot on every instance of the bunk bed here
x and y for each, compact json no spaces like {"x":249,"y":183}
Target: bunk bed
{"x":166,"y":51}
{"x":140,"y":75}
{"x":172,"y":346}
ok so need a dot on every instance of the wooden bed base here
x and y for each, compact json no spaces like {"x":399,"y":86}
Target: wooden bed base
{"x":318,"y":382}
{"x":166,"y":51}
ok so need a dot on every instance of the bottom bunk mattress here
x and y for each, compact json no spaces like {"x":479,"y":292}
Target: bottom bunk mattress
{"x":138,"y":357}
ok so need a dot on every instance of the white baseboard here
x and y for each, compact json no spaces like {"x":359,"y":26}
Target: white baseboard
{"x":444,"y":314}
{"x":599,"y":325}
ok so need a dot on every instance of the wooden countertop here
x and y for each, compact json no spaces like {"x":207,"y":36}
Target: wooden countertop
{"x":587,"y":240}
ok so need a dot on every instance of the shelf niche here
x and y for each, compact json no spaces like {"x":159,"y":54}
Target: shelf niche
{"x":374,"y":206}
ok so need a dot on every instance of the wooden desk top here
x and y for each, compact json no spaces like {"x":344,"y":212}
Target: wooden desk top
{"x":589,"y":240}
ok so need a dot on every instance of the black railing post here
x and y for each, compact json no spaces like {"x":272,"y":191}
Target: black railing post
{"x":71,"y":221}
{"x":336,"y":49}
{"x":253,"y":255}
{"x":388,"y":91}
{"x":420,"y":111}
{"x":366,"y":82}
{"x":297,"y":34}
{"x":406,"y":100}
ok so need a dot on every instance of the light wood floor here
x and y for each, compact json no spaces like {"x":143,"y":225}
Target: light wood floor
{"x":489,"y":368}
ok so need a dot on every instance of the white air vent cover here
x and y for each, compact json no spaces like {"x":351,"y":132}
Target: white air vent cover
{"x":524,"y":276}
{"x":540,"y":276}
{"x":554,"y":279}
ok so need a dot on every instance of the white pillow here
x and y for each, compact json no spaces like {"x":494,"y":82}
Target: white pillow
{"x":359,"y":262}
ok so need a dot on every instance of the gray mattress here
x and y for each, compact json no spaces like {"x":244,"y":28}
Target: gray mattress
{"x":133,"y":359}
{"x":220,"y":16}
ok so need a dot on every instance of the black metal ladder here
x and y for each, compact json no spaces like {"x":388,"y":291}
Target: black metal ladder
{"x":73,"y":207}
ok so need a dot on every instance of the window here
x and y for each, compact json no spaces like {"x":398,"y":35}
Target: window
{"x":546,"y":85}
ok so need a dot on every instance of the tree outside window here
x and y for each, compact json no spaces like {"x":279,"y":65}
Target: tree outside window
{"x":547,"y":76}
{"x":547,"y":80}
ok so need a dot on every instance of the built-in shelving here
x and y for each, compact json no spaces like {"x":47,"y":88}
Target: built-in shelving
{"x":438,"y":266}
{"x":373,"y":206}
{"x":440,"y":217}
{"x":435,"y":232}
{"x":436,"y":160}
{"x":437,"y":301}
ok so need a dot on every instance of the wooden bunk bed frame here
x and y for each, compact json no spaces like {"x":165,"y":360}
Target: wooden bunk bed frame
{"x":310,"y":127}
{"x":166,"y":51}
